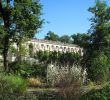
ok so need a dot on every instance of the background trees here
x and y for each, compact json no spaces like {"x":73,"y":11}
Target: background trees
{"x":52,"y":36}
{"x":81,"y":39}
{"x":65,"y":39}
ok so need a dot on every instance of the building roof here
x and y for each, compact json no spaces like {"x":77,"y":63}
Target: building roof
{"x":53,"y":42}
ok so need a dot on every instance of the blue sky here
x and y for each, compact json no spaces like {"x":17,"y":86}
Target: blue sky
{"x":65,"y":16}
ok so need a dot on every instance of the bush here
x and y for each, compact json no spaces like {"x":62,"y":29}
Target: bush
{"x":22,"y":68}
{"x":39,"y":70}
{"x":13,"y":87}
{"x":28,"y":69}
{"x":69,"y":80}
{"x":35,"y":82}
{"x":98,"y":69}
{"x":12,"y":84}
{"x":69,"y":58}
{"x":63,"y":74}
{"x":101,"y":94}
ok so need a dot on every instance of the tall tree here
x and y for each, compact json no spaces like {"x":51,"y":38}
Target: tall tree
{"x":22,"y":19}
{"x":98,"y":53}
{"x":52,"y":36}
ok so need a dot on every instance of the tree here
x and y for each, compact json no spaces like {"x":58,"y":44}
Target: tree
{"x":65,"y":39}
{"x":52,"y":36}
{"x":2,"y":34}
{"x":98,"y":52}
{"x":20,"y":20}
{"x":81,"y":39}
{"x":31,"y":53}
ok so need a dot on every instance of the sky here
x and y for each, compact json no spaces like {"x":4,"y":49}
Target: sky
{"x":65,"y":17}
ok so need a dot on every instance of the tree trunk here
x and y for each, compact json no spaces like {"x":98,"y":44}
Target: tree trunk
{"x":6,"y":18}
{"x":5,"y":53}
{"x":5,"y":56}
{"x":19,"y":56}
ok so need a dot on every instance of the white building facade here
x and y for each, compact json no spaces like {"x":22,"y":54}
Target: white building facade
{"x":46,"y":45}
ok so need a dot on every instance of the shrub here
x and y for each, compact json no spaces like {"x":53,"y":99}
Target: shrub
{"x":12,"y":88}
{"x":35,"y":82}
{"x":28,"y":69}
{"x":63,"y":74}
{"x":22,"y":68}
{"x":39,"y":70}
{"x":101,"y":94}
{"x":69,"y":80}
{"x":98,"y":68}
{"x":12,"y":84}
{"x":58,"y":57}
{"x":4,"y":85}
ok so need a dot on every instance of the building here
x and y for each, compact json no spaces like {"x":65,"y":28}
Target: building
{"x":47,"y":45}
{"x":44,"y":45}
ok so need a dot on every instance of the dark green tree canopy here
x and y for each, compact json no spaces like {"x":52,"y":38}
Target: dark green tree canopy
{"x":26,"y":17}
{"x":65,"y":39}
{"x":19,"y":21}
{"x":100,"y":27}
{"x":81,"y":39}
{"x":52,"y":36}
{"x":98,"y":52}
{"x":23,"y":18}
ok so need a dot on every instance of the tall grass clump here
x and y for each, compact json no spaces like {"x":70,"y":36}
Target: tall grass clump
{"x":57,"y":73}
{"x":12,"y":84}
{"x":13,"y":88}
{"x":69,"y":80}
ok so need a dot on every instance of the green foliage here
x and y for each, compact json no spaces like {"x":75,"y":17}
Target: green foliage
{"x":29,"y":21}
{"x":18,"y":84}
{"x":13,"y":88}
{"x":42,"y":56}
{"x":52,"y":36}
{"x":27,"y":69}
{"x":31,"y":50}
{"x":98,"y":51}
{"x":81,"y":39}
{"x":101,"y":94}
{"x":2,"y":34}
{"x":99,"y":70}
{"x":39,"y":70}
{"x":22,"y":50}
{"x":65,"y":39}
{"x":12,"y":84}
{"x":53,"y":57}
{"x":58,"y":57}
{"x":19,"y":68}
{"x":69,"y":58}
{"x":21,"y":20}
